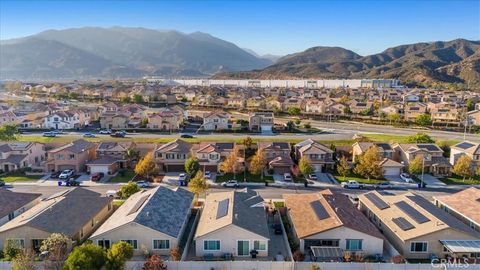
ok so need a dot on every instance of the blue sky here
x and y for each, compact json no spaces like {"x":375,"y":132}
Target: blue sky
{"x":277,"y":27}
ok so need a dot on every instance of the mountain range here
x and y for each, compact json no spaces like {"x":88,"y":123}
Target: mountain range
{"x":121,"y":52}
{"x":456,"y":61}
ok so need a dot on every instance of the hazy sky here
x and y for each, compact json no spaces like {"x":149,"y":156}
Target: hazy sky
{"x":277,"y":27}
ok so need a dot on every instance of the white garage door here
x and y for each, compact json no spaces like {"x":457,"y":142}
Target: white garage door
{"x":99,"y":168}
{"x":391,"y":171}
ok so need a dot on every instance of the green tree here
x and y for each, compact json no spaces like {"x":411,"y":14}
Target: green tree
{"x":258,"y":163}
{"x":198,"y":185}
{"x":415,"y":167}
{"x":343,"y":167}
{"x":247,"y":142}
{"x":8,"y":132}
{"x":290,"y":125}
{"x":470,"y":104}
{"x":128,"y":190}
{"x":463,"y":167}
{"x":144,"y":122}
{"x":25,"y":260}
{"x":307,"y":125}
{"x":147,"y":166}
{"x":86,"y":257}
{"x":394,"y":117}
{"x":420,"y":137}
{"x":305,"y":166}
{"x":231,"y":164}
{"x":423,"y":120}
{"x":126,"y":99}
{"x":118,"y":254}
{"x":72,"y":95}
{"x":346,"y":110}
{"x":369,"y":164}
{"x":294,"y":111}
{"x":11,"y":249}
{"x":138,"y":98}
{"x":191,"y":165}
{"x":57,"y":245}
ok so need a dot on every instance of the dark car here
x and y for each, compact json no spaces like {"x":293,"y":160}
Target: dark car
{"x":186,"y":136}
{"x":96,"y":176}
{"x":118,"y":135}
{"x":55,"y":175}
{"x":277,"y":228}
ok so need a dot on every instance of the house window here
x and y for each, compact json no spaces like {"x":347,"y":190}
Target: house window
{"x":161,"y":244}
{"x":354,"y":244}
{"x":104,"y":243}
{"x":418,"y":247}
{"x":134,"y":243}
{"x":329,"y":243}
{"x":213,"y":156}
{"x":211,"y":245}
{"x":16,"y":242}
{"x":259,"y":245}
{"x":475,"y":255}
{"x":11,"y":216}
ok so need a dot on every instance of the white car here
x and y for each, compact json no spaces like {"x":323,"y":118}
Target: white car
{"x":312,"y":177}
{"x":287,"y":177}
{"x":111,"y":193}
{"x":208,"y":174}
{"x":182,"y":177}
{"x":66,"y":174}
{"x":105,"y":131}
{"x":407,"y":178}
{"x":143,"y":184}
{"x":383,"y":185}
{"x":352,"y":184}
{"x":230,"y":183}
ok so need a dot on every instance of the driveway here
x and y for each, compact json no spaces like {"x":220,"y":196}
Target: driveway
{"x":326,"y":178}
{"x":171,"y":178}
{"x":279,"y":179}
{"x":431,"y":180}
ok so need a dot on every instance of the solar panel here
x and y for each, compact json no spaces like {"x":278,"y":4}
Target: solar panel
{"x":403,"y":223}
{"x":138,"y":205}
{"x":319,"y":210}
{"x":412,"y":212}
{"x":465,"y":145}
{"x":379,"y":203}
{"x":222,"y":209}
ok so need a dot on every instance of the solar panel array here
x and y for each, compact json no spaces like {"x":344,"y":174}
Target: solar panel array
{"x":412,"y":212}
{"x":319,"y":210}
{"x":403,"y":223}
{"x":138,"y":205}
{"x":465,"y":145}
{"x":377,"y":201}
{"x":222,"y":209}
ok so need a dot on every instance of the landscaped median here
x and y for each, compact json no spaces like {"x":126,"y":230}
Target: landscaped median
{"x":123,"y":176}
{"x":357,"y":178}
{"x":239,"y":177}
{"x":20,"y":177}
{"x":458,"y":180}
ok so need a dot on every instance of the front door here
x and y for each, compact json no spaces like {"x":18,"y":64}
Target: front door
{"x":243,"y":247}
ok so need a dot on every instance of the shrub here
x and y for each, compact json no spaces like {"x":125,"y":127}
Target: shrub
{"x":86,"y":257}
{"x":155,"y":262}
{"x":11,"y":249}
{"x":298,"y":256}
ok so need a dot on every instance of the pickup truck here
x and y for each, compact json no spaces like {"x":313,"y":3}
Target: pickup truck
{"x":352,"y":184}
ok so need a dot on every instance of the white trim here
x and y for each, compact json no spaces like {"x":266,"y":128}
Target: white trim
{"x":219,"y":243}
{"x":9,"y":239}
{"x":249,"y":247}
{"x":266,"y":245}
{"x":157,"y":239}
{"x":410,"y":246}
{"x":125,"y":240}
{"x":109,"y":242}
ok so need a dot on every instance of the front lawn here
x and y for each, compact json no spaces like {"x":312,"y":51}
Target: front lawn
{"x":357,"y":178}
{"x":239,"y":177}
{"x":123,"y":177}
{"x":20,"y":178}
{"x":458,"y":180}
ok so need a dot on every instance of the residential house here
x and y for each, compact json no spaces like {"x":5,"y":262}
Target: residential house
{"x":315,"y":106}
{"x":74,"y":155}
{"x":9,"y":117}
{"x":62,"y":120}
{"x":114,"y":120}
{"x":473,"y":118}
{"x":151,"y":220}
{"x":390,"y":167}
{"x":75,"y":212}
{"x":216,"y":121}
{"x":171,"y":156}
{"x":327,"y":226}
{"x":232,"y":222}
{"x":110,"y":157}
{"x":164,"y":120}
{"x":434,"y":161}
{"x":13,"y":204}
{"x":211,"y":154}
{"x":261,"y":122}
{"x":236,"y":102}
{"x":413,"y":110}
{"x":470,"y":149}
{"x":416,"y":227}
{"x":320,"y":156}
{"x":360,"y":107}
{"x":463,"y":205}
{"x":277,"y":155}
{"x":445,"y":114}
{"x":18,"y":155}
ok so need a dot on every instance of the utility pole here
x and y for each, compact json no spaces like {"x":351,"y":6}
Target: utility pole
{"x":423,"y":171}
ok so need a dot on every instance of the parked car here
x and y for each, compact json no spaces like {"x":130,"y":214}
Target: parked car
{"x":143,"y":184}
{"x":277,"y":228}
{"x":2,"y":183}
{"x":66,"y":174}
{"x":182,"y":177}
{"x":89,"y":135}
{"x":105,"y":131}
{"x":72,"y":183}
{"x":55,"y":175}
{"x":312,"y":177}
{"x":383,"y":185}
{"x":230,"y":183}
{"x":407,"y":178}
{"x":186,"y":136}
{"x":118,"y":135}
{"x":49,"y":134}
{"x":352,"y":184}
{"x":287,"y":177}
{"x":208,"y":174}
{"x":96,"y":176}
{"x":111,"y":193}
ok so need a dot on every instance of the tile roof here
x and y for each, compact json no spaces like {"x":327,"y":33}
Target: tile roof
{"x":244,"y":209}
{"x":179,"y":146}
{"x":14,"y":159}
{"x":339,"y":211}
{"x":274,"y":145}
{"x":11,"y":201}
{"x":467,"y":147}
{"x":77,"y":146}
{"x":161,"y":209}
{"x":65,"y":212}
{"x":465,"y":202}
